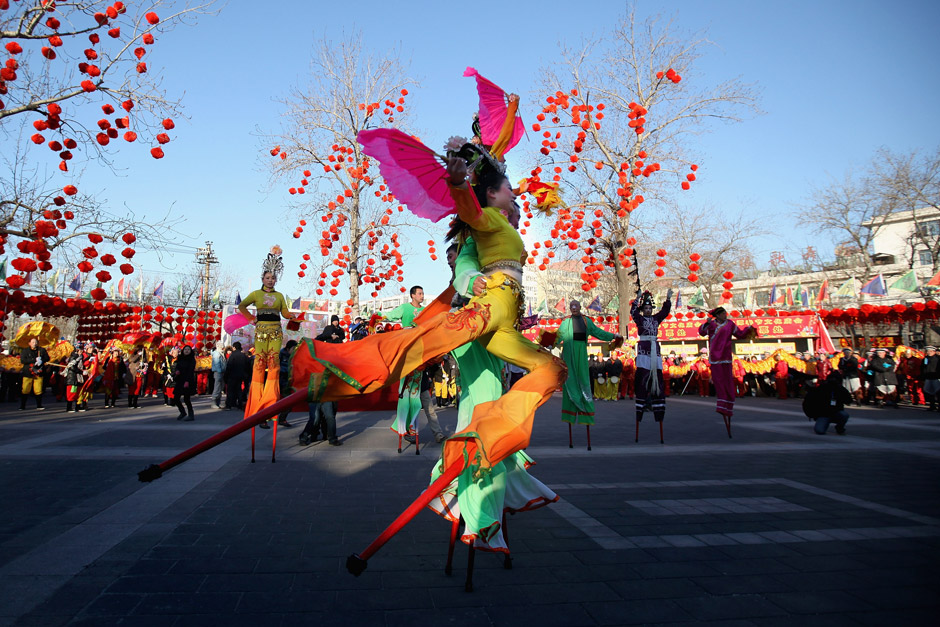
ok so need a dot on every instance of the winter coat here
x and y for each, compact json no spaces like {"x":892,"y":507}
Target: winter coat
{"x":882,"y":371}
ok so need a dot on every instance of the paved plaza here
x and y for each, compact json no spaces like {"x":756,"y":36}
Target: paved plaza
{"x":777,"y":526}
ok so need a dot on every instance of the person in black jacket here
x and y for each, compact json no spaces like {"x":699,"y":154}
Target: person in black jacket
{"x":825,"y":404}
{"x":184,"y":379}
{"x":33,"y":358}
{"x":322,"y":416}
{"x":883,"y":378}
{"x":237,"y":370}
{"x":931,"y":376}
{"x":848,"y":368}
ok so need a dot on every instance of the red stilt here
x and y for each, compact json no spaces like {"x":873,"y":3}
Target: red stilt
{"x":399,"y":443}
{"x":570,"y":441}
{"x":454,"y":528}
{"x":637,"y":431}
{"x":357,"y":562}
{"x":274,"y":441}
{"x":417,"y":440}
{"x":589,"y":436}
{"x":155,"y":471}
{"x":507,"y":557}
{"x":727,"y":424}
{"x":661,"y":441}
{"x":252,"y":445}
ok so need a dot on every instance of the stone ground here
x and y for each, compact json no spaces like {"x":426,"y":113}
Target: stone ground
{"x":775,"y":526}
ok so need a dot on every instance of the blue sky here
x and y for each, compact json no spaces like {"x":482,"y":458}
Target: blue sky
{"x":839,"y":80}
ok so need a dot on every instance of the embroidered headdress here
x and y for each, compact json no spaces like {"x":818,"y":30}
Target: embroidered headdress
{"x":646,"y":299}
{"x":273,"y":263}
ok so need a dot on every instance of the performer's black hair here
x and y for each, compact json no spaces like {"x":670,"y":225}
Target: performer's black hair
{"x":486,"y":174}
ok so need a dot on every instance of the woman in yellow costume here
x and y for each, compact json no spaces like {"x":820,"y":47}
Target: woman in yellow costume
{"x":269,"y":305}
{"x":500,"y":427}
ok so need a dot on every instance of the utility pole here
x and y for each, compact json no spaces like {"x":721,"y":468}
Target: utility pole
{"x":206,"y":258}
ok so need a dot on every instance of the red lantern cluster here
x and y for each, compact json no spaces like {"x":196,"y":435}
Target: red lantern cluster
{"x":694,"y":267}
{"x":660,"y":263}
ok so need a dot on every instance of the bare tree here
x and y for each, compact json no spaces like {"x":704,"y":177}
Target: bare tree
{"x":616,"y":127}
{"x":334,"y":183}
{"x":64,"y":57}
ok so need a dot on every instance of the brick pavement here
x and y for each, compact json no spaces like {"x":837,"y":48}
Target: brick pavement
{"x":775,"y":526}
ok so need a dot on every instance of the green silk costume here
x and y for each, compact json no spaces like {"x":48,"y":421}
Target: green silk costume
{"x":508,"y":486}
{"x":578,"y":399}
{"x":409,"y":388}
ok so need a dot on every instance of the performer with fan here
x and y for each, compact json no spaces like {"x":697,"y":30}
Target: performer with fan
{"x":721,"y":332}
{"x":270,"y":305}
{"x":649,"y":385}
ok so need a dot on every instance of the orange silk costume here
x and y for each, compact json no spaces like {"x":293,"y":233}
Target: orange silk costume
{"x":498,"y":428}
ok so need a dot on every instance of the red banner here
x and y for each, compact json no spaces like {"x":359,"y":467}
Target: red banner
{"x":673,"y":330}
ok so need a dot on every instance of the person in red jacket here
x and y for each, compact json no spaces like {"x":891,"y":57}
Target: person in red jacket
{"x":628,"y":376}
{"x":737,"y":370}
{"x":703,"y":374}
{"x":911,"y":367}
{"x":781,"y":371}
{"x":823,"y":367}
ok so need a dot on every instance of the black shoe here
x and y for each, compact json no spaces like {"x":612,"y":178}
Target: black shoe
{"x":409,"y":438}
{"x":305,"y":439}
{"x":181,"y":416}
{"x":188,"y":418}
{"x":284,"y":423}
{"x":336,"y":442}
{"x":264,"y":425}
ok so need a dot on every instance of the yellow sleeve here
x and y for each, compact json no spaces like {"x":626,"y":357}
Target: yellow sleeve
{"x":285,"y":309}
{"x":468,"y":209}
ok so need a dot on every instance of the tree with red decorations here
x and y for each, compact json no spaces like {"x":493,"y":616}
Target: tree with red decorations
{"x":615,"y":123}
{"x":74,"y":84}
{"x":355,"y":220}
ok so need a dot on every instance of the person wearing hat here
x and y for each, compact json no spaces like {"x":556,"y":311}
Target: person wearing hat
{"x":930,"y":376}
{"x":702,"y":373}
{"x":721,"y":334}
{"x":848,"y":368}
{"x":33,"y":358}
{"x":884,"y":380}
{"x":909,"y":367}
{"x":649,"y":384}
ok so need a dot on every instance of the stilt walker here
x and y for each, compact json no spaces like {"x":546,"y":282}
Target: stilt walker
{"x":721,"y":332}
{"x":649,"y":384}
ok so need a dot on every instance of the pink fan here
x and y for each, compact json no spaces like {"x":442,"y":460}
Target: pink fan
{"x":413,"y":171}
{"x":234,"y":322}
{"x":493,"y":111}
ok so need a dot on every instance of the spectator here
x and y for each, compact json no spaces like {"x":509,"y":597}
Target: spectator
{"x":184,"y":382}
{"x":931,"y":376}
{"x":781,"y":374}
{"x":883,"y":378}
{"x":218,"y":374}
{"x":237,"y":370}
{"x":848,"y":368}
{"x":826,"y":404}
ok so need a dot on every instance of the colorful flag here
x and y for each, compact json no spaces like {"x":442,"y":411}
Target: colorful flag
{"x":3,"y":269}
{"x":614,"y":304}
{"x":825,"y":340}
{"x":747,"y":298}
{"x":542,"y":307}
{"x":53,"y":281}
{"x":29,"y":278}
{"x":847,"y":289}
{"x":798,"y":295}
{"x":112,"y":292}
{"x":773,"y":295}
{"x":595,"y":305}
{"x":140,"y":289}
{"x":179,"y":292}
{"x":875,"y":287}
{"x":238,"y":297}
{"x":560,"y":305}
{"x":159,"y":291}
{"x":934,"y":282}
{"x":217,"y":295}
{"x":293,"y":305}
{"x":698,"y":300}
{"x":120,"y":288}
{"x":76,"y":284}
{"x":823,"y":292}
{"x":678,"y":299}
{"x":906,"y":283}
